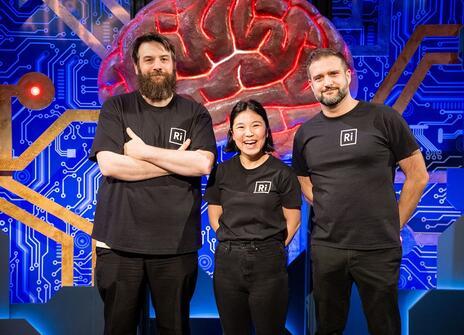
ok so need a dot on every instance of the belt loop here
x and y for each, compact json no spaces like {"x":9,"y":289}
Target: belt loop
{"x":253,"y":245}
{"x":229,"y":246}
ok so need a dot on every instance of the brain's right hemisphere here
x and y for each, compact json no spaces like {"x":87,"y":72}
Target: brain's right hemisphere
{"x":233,"y":50}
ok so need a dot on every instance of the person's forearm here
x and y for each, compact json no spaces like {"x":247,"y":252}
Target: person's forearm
{"x":127,"y":168}
{"x":185,"y":163}
{"x":293,"y":218}
{"x":214,"y":213}
{"x":417,"y":177}
{"x":306,"y":188}
{"x":409,"y":198}
{"x":291,"y":229}
{"x":308,"y":193}
{"x":214,"y":224}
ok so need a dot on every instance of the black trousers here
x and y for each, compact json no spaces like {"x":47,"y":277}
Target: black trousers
{"x":375,"y":273}
{"x":122,"y":277}
{"x":251,"y":287}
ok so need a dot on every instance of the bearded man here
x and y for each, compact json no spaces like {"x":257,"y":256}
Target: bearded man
{"x":152,"y":146}
{"x":345,"y":158}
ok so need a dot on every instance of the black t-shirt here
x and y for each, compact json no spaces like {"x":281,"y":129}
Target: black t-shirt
{"x":252,"y":199}
{"x":159,"y":215}
{"x":351,"y":161}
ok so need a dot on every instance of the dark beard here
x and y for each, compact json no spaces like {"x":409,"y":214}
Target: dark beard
{"x":154,"y":89}
{"x":333,"y":101}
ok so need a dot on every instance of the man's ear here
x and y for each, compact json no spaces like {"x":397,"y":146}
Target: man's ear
{"x":310,"y":82}
{"x":348,"y":76}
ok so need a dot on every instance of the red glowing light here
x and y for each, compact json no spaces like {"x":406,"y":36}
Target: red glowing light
{"x":35,"y":91}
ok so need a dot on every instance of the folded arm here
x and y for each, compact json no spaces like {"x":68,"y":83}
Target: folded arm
{"x":185,"y":163}
{"x":127,"y":168}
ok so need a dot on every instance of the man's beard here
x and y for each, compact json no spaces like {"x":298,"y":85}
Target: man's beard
{"x":333,"y":100}
{"x":155,"y":89}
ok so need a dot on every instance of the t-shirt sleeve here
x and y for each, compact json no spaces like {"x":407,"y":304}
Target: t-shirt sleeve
{"x":289,"y":189}
{"x":401,"y":139}
{"x":202,"y":132}
{"x":298,"y":161}
{"x":213,"y":194}
{"x":110,"y":133}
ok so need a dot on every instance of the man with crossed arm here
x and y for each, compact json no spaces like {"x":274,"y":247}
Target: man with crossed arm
{"x":152,"y":146}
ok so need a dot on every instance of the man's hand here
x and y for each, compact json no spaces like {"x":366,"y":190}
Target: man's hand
{"x":306,"y":188}
{"x":185,"y":145}
{"x":135,"y":147}
{"x":181,"y":161}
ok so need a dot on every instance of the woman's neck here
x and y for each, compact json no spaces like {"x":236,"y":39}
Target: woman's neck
{"x":251,"y":162}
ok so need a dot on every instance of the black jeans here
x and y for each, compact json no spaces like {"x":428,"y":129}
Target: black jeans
{"x":121,"y":279}
{"x":251,"y":287}
{"x":375,"y":273}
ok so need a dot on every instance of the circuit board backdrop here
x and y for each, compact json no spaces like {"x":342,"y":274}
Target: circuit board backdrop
{"x":42,"y":36}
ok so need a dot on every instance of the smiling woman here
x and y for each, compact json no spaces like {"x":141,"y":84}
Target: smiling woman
{"x":250,"y":133}
{"x":254,"y":206}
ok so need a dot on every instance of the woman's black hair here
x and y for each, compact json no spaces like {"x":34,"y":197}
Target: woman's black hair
{"x":256,"y":107}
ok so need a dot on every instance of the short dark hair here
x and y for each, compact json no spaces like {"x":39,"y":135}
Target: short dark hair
{"x":152,"y":37}
{"x":256,"y":107}
{"x":326,"y":52}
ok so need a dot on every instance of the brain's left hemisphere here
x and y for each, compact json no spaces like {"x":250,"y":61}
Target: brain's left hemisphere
{"x":233,"y":50}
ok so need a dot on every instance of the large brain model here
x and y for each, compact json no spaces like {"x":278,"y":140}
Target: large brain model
{"x":233,"y":50}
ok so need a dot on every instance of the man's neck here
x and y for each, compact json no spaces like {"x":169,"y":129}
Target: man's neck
{"x":158,"y":103}
{"x":343,"y":107}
